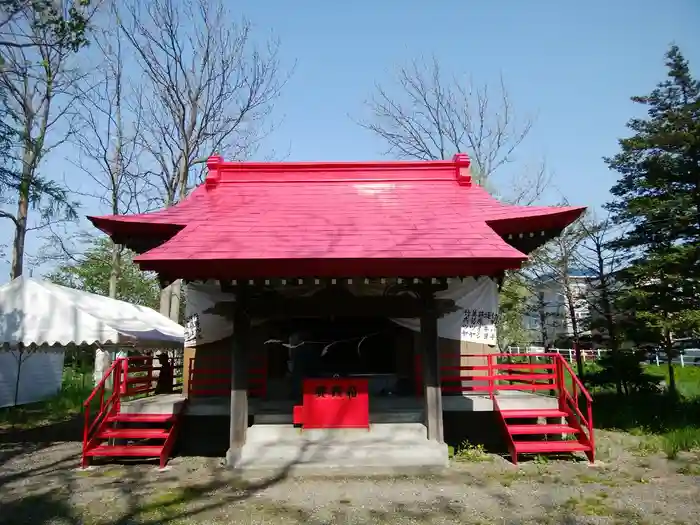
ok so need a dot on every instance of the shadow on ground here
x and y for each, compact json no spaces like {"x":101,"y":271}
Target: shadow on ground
{"x":16,"y":441}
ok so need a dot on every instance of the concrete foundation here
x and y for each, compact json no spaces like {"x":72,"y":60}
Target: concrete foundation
{"x":277,"y":411}
{"x":385,"y":447}
{"x":160,"y":404}
{"x":395,"y":443}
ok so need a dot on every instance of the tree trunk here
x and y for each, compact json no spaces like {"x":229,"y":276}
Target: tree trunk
{"x":571,"y":307}
{"x":115,"y":270}
{"x":175,"y":295}
{"x":543,"y":323}
{"x":175,"y":289}
{"x":671,"y":374}
{"x":20,"y":236}
{"x":612,"y":337}
{"x":609,"y":318}
{"x":21,"y":219}
{"x":165,"y":294}
{"x":668,"y":346}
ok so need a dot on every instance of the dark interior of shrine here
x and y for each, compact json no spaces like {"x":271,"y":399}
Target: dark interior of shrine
{"x":342,"y":347}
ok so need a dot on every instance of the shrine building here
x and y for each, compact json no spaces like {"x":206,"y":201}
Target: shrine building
{"x":343,"y":315}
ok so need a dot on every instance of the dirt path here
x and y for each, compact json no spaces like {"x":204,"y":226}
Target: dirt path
{"x":41,"y":485}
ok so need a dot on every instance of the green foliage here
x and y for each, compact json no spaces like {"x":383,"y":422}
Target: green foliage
{"x":668,"y":423}
{"x":68,"y":25}
{"x":512,"y":309}
{"x":469,"y":452}
{"x":675,"y":441}
{"x":688,"y":380}
{"x":92,"y":274}
{"x":77,"y":385}
{"x":627,"y":368}
{"x":657,"y":199}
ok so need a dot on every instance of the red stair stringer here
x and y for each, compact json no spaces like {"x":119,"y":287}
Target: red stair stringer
{"x":572,"y":427}
{"x":100,"y":446}
{"x":103,"y":436}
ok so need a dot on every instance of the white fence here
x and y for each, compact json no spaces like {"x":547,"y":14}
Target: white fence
{"x":690,"y":357}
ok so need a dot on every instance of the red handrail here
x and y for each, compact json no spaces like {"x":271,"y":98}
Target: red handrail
{"x":106,"y":407}
{"x":528,"y":376}
{"x":130,"y":376}
{"x":572,"y":401}
{"x":575,"y":377}
{"x":517,"y":375}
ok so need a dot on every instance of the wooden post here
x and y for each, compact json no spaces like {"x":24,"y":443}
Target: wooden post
{"x":239,"y":379}
{"x":431,"y":368}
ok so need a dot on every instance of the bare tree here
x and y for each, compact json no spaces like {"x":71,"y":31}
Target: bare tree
{"x":603,"y":260}
{"x":561,"y":256}
{"x":41,"y":87}
{"x":542,"y":301}
{"x":210,"y":91}
{"x":429,"y":115}
{"x":110,"y":119}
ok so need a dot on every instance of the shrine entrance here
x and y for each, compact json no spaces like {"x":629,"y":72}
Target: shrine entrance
{"x":373,"y":348}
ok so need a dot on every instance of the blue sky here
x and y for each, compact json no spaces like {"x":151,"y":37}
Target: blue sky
{"x":572,"y":65}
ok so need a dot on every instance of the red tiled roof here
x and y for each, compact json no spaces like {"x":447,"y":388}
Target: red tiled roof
{"x":314,"y":219}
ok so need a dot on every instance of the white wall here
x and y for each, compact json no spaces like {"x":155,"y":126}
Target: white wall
{"x":41,"y":375}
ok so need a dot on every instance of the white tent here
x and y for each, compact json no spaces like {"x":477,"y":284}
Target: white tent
{"x":36,"y":313}
{"x":45,"y":318}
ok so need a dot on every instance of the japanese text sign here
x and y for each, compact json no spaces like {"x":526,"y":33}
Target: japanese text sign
{"x":334,"y":403}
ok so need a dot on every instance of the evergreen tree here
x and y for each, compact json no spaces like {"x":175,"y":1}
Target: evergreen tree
{"x":657,"y":198}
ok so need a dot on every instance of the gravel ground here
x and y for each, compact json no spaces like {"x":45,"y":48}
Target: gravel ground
{"x":40,"y":484}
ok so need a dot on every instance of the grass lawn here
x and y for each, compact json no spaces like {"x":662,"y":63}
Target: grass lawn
{"x":669,"y":424}
{"x":65,"y":405}
{"x":687,"y":378}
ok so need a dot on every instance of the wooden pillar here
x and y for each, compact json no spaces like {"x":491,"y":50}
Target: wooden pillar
{"x":239,"y":379}
{"x":188,"y":357}
{"x":431,"y":368}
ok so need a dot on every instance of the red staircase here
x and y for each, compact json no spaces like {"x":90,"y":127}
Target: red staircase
{"x":108,"y":432}
{"x":531,"y":430}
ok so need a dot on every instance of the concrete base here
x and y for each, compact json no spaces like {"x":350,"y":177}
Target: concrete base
{"x":386,"y":447}
{"x":507,"y":400}
{"x":382,"y":409}
{"x":160,"y":404}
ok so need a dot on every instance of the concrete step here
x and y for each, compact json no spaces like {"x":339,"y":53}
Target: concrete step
{"x":320,"y":457}
{"x":388,"y":433}
{"x":158,"y":404}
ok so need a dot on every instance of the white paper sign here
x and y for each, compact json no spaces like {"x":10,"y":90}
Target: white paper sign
{"x":479,"y":326}
{"x":475,"y":319}
{"x":193,"y":330}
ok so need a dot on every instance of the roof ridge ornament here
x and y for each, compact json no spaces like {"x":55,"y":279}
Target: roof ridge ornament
{"x":462,"y":171}
{"x":213,"y":176}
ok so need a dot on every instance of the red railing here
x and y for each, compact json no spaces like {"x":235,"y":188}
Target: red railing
{"x":535,"y":373}
{"x":569,"y":399}
{"x":126,"y":377}
{"x":211,"y":376}
{"x":108,"y":392}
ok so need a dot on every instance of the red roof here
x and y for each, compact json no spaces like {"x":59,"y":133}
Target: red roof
{"x":335,"y":219}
